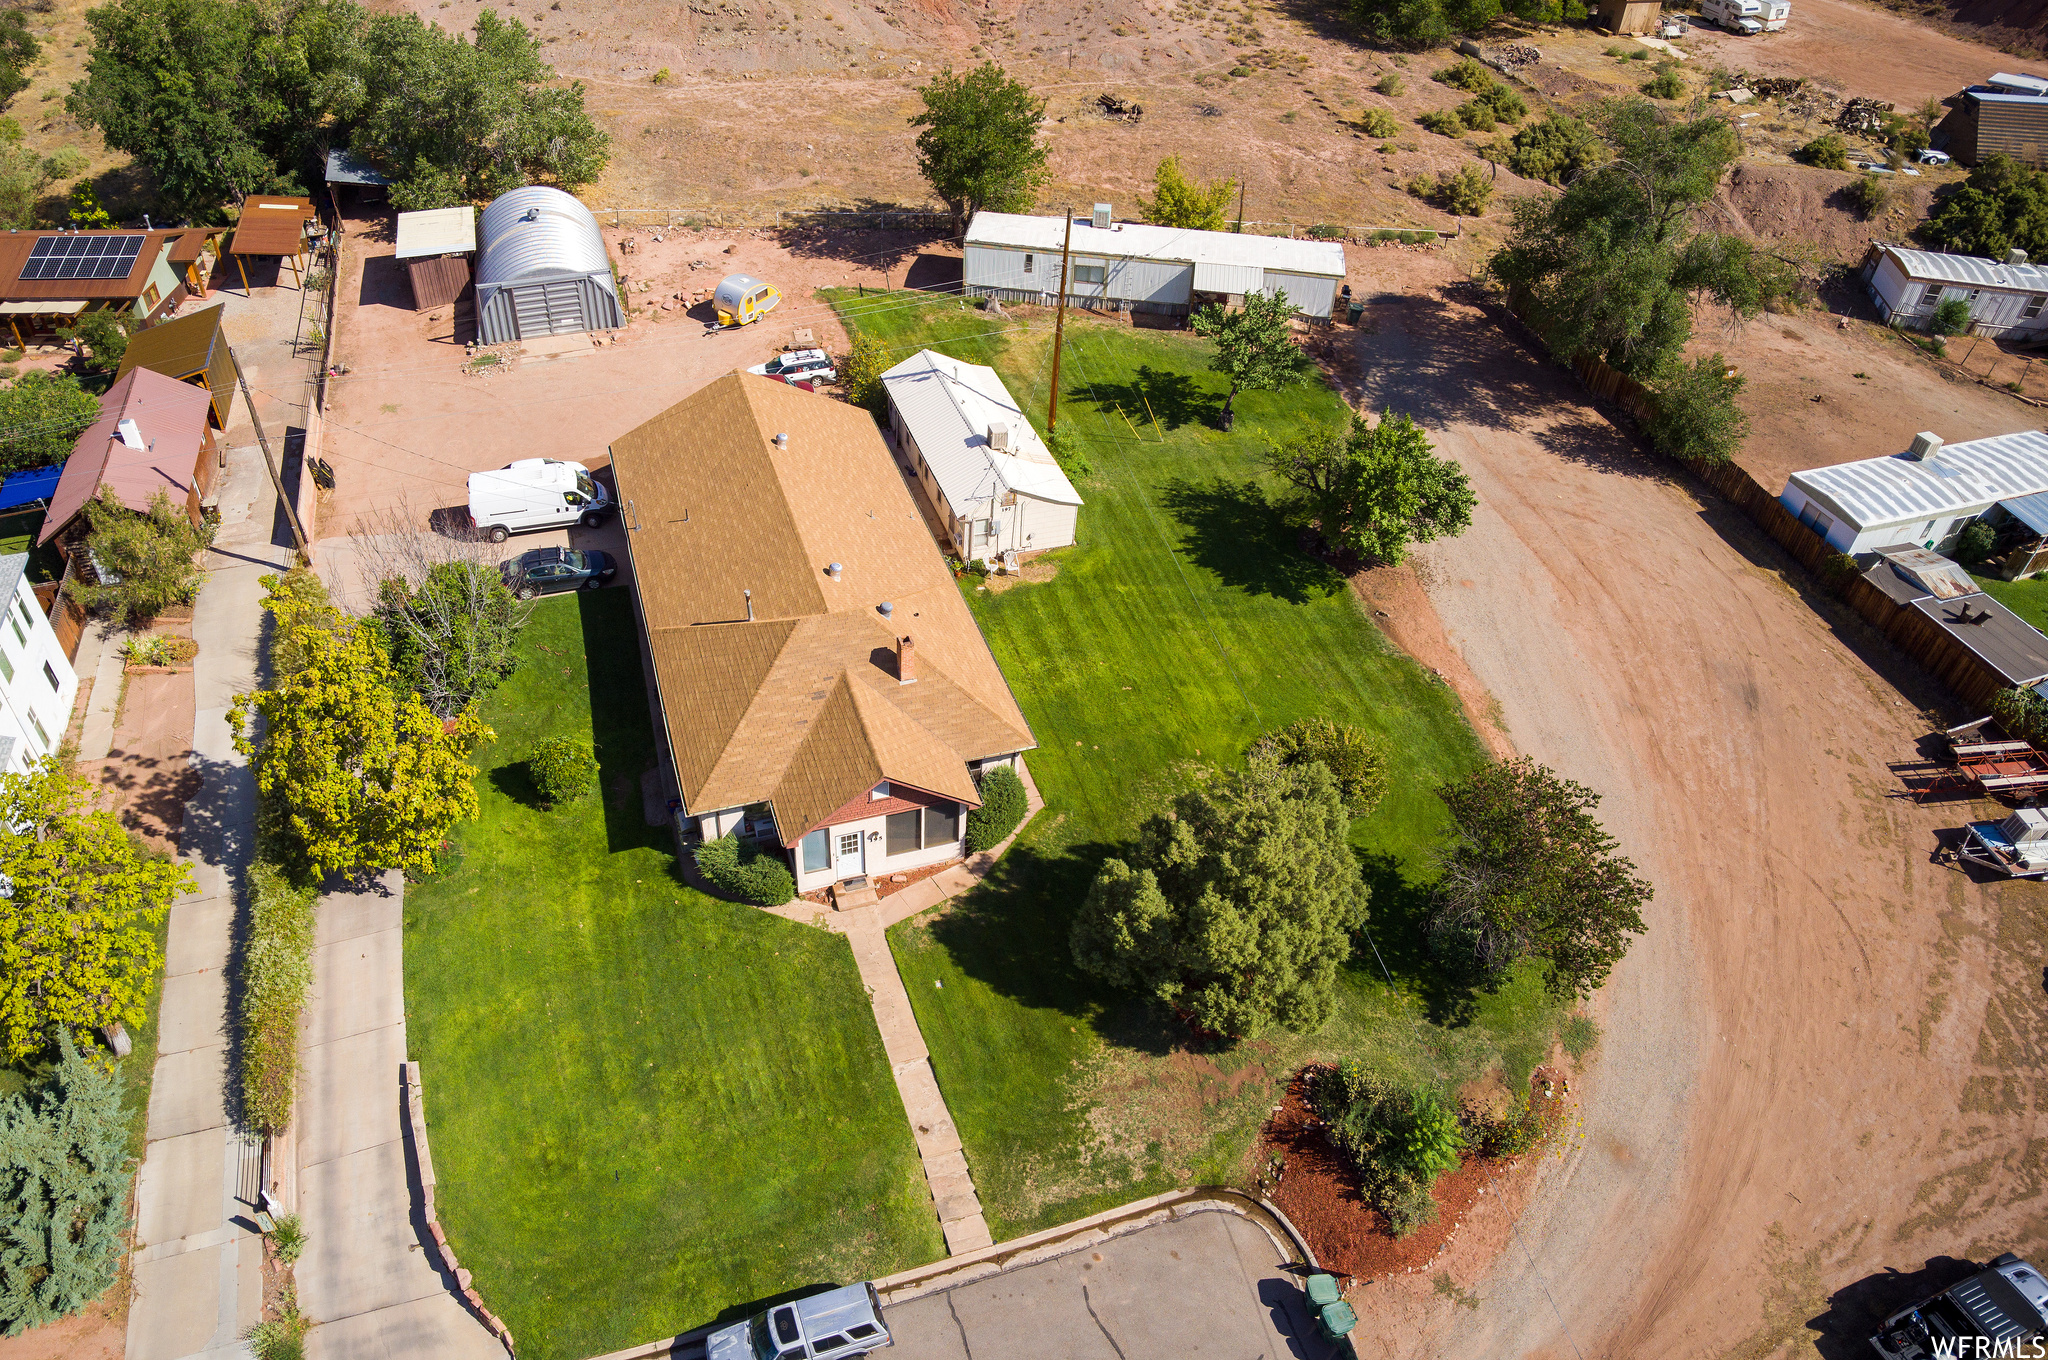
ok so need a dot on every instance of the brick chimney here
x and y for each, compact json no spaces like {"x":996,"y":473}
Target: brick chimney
{"x":906,"y":661}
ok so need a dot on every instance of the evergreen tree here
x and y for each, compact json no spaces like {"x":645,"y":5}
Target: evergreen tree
{"x":64,"y":1182}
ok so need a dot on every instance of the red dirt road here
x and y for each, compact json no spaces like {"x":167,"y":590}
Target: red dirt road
{"x":1823,"y":1060}
{"x":1859,"y":48}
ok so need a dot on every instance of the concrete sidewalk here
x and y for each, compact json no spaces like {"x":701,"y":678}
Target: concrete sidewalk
{"x":368,"y":1277}
{"x":866,"y":930}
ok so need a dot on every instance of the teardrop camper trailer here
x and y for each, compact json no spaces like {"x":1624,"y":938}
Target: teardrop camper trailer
{"x":742,"y":299}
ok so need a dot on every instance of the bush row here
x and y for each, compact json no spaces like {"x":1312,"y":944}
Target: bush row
{"x":740,"y":869}
{"x":277,"y":969}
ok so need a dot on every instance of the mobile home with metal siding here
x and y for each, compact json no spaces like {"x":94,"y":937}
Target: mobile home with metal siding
{"x":1136,"y":267}
{"x":1921,"y":497}
{"x":2004,"y":297}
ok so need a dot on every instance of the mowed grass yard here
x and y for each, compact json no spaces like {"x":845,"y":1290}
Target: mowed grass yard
{"x":649,"y":1108}
{"x":1185,"y":623}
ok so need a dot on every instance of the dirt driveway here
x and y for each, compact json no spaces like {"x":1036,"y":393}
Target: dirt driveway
{"x":1858,"y":48}
{"x":413,"y":418}
{"x":1822,"y":1063}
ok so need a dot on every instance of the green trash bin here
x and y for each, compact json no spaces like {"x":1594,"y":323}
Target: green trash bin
{"x":1323,"y":1291}
{"x":1337,"y":1320}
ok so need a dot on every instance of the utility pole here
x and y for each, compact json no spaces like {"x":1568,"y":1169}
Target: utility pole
{"x":291,"y":512}
{"x":1059,"y":325}
{"x":1240,"y":207}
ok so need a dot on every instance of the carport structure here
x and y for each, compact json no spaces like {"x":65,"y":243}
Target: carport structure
{"x":271,"y":225}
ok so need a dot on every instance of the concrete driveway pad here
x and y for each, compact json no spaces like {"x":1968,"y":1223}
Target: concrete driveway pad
{"x":367,"y":1254}
{"x":335,"y":1119}
{"x":437,"y":1326}
{"x":1209,"y":1285}
{"x":178,"y":1191}
{"x":199,"y":935}
{"x":182,"y":1297}
{"x":368,"y":993}
{"x":187,"y":1094}
{"x":347,"y":916}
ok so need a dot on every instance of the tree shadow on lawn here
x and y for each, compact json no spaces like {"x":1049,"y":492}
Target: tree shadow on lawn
{"x":515,"y":781}
{"x":1398,"y":928}
{"x":1238,"y":532}
{"x":622,"y":727}
{"x":1173,"y":399}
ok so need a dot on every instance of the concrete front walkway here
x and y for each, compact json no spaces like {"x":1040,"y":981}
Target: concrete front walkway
{"x":368,"y":1277}
{"x":866,"y":930}
{"x":198,"y":1263}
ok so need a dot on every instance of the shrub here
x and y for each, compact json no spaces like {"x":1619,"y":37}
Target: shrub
{"x":1975,"y":543}
{"x":1837,"y":570}
{"x":288,"y":1238}
{"x":1400,"y":1139}
{"x":277,"y":968}
{"x":1409,"y":1207}
{"x":1829,"y":152}
{"x":1390,"y":85}
{"x":1476,"y":114}
{"x":281,"y":1338}
{"x":862,"y":372}
{"x":1696,"y":417}
{"x":744,"y":871}
{"x":1516,"y":1130}
{"x":1325,"y":231}
{"x":1355,"y":758}
{"x":153,"y":554}
{"x":1504,"y":102}
{"x":1952,"y":317}
{"x":562,"y":770}
{"x":454,"y":636}
{"x":1579,"y":1034}
{"x":1555,"y":149}
{"x":1870,"y":195}
{"x":1664,"y":85}
{"x":1443,"y":121}
{"x":1003,"y":806}
{"x":1617,"y":50}
{"x":1379,"y":123}
{"x":1424,"y":187}
{"x":2022,"y":713}
{"x":1467,"y":193}
{"x":1468,"y":75}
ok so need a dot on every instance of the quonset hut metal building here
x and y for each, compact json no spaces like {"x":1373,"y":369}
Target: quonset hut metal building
{"x":541,"y":269}
{"x":1920,"y":498}
{"x":1132,"y":267}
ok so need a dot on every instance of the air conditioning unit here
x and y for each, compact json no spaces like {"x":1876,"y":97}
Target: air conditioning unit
{"x":1101,"y":220}
{"x":998,"y":435}
{"x":1925,"y":444}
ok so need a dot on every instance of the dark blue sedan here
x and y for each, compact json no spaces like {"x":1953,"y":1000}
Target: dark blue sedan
{"x":543,"y":571}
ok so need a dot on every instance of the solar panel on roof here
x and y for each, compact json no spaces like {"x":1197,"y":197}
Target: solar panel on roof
{"x":81,"y":257}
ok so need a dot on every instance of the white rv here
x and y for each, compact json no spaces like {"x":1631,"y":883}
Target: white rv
{"x":534,"y":493}
{"x":1740,"y":16}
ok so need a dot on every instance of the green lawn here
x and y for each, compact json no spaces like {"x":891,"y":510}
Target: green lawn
{"x":648,"y":1109}
{"x":2028,"y":599}
{"x":1184,"y":624}
{"x":18,"y":534}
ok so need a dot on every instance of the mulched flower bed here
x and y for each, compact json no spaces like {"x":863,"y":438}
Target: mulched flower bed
{"x":884,"y":884}
{"x":1319,"y":1192}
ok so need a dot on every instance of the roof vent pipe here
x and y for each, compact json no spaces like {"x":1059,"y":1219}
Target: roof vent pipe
{"x":2015,"y":256}
{"x":782,"y":441}
{"x":1925,"y":445}
{"x":833,"y":569}
{"x":750,"y":604}
{"x":886,"y":608}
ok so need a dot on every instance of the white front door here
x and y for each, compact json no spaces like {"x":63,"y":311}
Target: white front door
{"x":849,"y":856}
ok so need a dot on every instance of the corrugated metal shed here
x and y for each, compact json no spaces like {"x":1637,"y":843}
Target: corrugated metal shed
{"x":1926,"y":266}
{"x":1956,"y":478}
{"x":345,"y":167}
{"x":1932,"y":573}
{"x":1016,"y":231}
{"x":541,"y":268}
{"x":948,"y":407}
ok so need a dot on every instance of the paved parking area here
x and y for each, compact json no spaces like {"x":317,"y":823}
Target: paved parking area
{"x":1208,"y":1285}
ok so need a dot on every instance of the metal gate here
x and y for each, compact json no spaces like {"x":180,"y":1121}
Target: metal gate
{"x":554,"y":308}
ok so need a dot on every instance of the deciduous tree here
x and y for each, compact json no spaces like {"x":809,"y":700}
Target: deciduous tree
{"x":41,"y":416}
{"x":1695,"y":415}
{"x":1528,"y":872}
{"x":18,"y":49}
{"x":1237,"y":907}
{"x":64,"y":1182}
{"x":77,"y":928}
{"x":1178,"y":201}
{"x":1355,"y":758}
{"x":104,"y":332}
{"x":980,"y":148}
{"x":454,"y":635}
{"x":1254,"y":345}
{"x":148,"y":562}
{"x":2001,"y":205}
{"x":357,"y":772}
{"x":1375,"y":489}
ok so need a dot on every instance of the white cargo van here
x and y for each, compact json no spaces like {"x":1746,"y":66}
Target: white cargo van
{"x":534,"y":493}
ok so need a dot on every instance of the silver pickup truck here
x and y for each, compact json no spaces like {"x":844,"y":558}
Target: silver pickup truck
{"x":836,"y":1325}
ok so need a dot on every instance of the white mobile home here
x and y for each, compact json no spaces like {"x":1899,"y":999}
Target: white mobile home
{"x":990,"y":477}
{"x":37,"y":684}
{"x":1922,"y":497}
{"x":2007,"y":296}
{"x":1133,"y":267}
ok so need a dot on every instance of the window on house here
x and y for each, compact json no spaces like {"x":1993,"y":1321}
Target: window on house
{"x":849,"y":844}
{"x":1932,"y":295}
{"x":1090,"y":273}
{"x":2033,"y":307}
{"x":50,"y":674}
{"x":902,"y":832}
{"x":152,"y":295}
{"x":20,"y":634}
{"x":942,"y":825}
{"x":6,"y":665}
{"x":817,"y":854}
{"x":37,"y":723}
{"x":1027,"y":263}
{"x":28,"y":616}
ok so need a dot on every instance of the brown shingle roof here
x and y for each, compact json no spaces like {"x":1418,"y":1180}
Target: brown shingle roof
{"x":801,"y":707}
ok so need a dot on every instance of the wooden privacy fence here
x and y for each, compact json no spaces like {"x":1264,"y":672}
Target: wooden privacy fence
{"x":1912,"y":632}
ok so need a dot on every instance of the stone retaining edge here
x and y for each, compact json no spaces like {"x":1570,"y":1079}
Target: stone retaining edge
{"x":416,"y":1117}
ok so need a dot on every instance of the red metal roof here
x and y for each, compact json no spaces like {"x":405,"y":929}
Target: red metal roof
{"x":171,"y":419}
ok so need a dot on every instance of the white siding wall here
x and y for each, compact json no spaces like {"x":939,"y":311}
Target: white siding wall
{"x":989,"y":267}
{"x":875,"y":861}
{"x":1034,"y":525}
{"x":1992,"y":311}
{"x":1162,"y":281}
{"x":1888,"y":282}
{"x":1312,"y":295}
{"x":1938,"y":531}
{"x":39,"y":685}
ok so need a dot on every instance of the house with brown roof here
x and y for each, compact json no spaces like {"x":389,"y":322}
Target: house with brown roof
{"x":48,"y":277}
{"x":822,"y":685}
{"x":192,"y":348}
{"x":153,"y":434}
